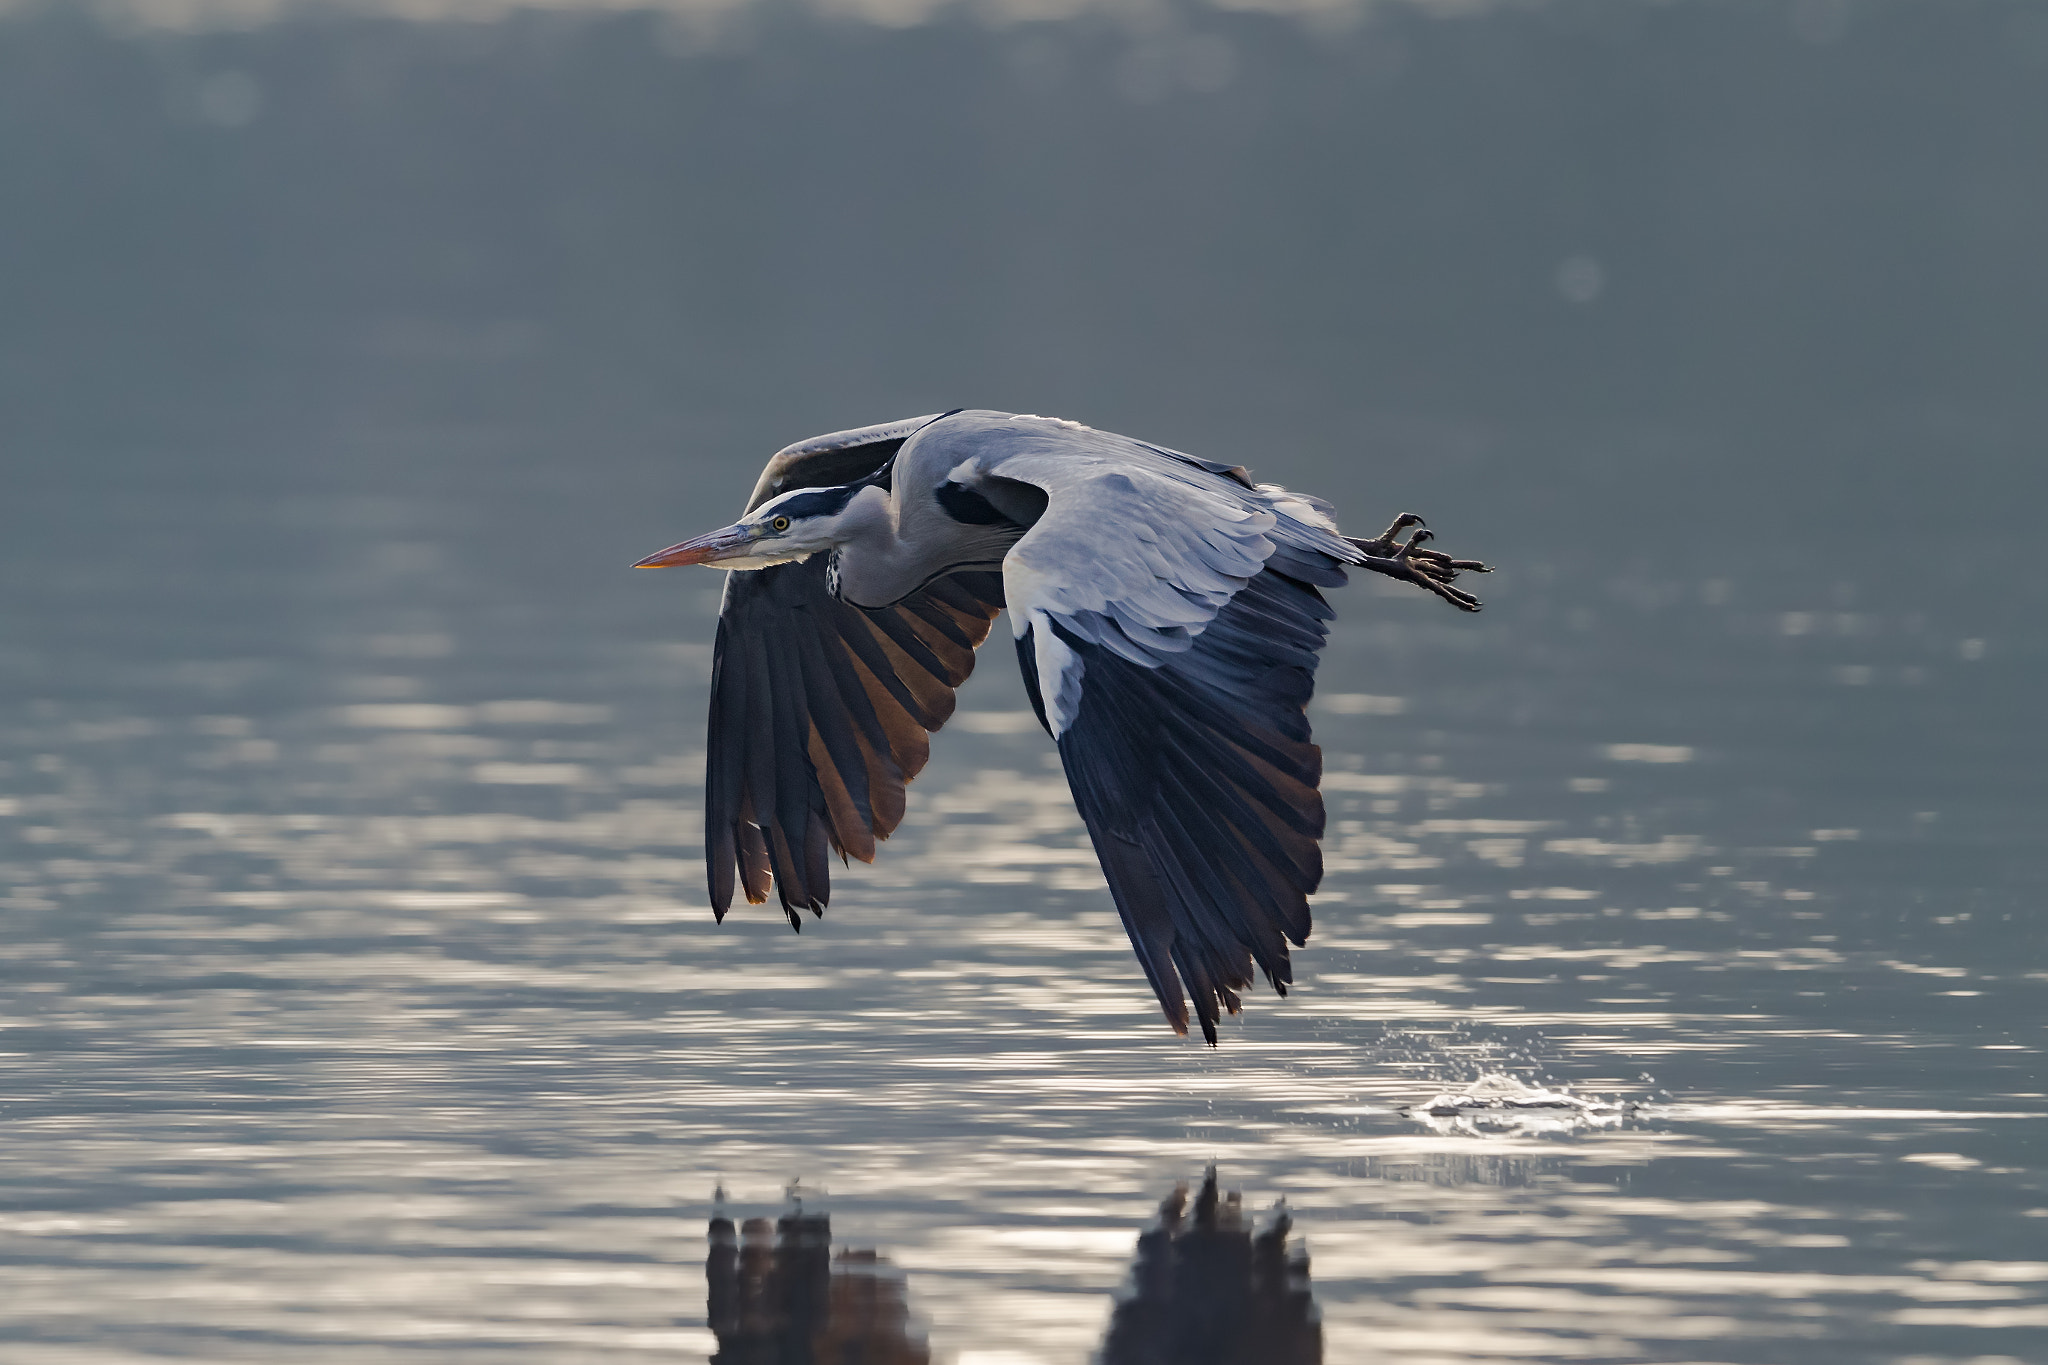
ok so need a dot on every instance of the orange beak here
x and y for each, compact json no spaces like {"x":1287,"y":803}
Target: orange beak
{"x":708,"y":548}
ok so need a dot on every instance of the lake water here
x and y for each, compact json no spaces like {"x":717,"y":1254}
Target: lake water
{"x":1677,"y":985}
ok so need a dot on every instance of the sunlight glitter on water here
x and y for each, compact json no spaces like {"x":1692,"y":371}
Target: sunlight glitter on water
{"x":510,"y":1025}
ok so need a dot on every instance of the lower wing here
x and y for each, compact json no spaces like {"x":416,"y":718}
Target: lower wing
{"x":1197,"y":780}
{"x":819,"y":717}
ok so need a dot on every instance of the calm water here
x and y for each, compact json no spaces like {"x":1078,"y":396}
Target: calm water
{"x":1677,"y":986}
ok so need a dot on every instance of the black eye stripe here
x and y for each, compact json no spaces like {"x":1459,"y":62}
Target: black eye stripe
{"x":821,"y":502}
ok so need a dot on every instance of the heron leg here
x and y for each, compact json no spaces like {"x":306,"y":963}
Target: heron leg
{"x":1408,"y":561}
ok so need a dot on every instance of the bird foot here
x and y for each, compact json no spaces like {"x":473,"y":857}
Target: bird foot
{"x":1408,"y":561}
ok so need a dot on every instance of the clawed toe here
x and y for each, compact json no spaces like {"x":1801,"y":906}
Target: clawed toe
{"x":1431,"y":569}
{"x":1401,"y":523}
{"x":1457,"y":597}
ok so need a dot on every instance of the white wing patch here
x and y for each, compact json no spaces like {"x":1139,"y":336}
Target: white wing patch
{"x":1059,"y":676}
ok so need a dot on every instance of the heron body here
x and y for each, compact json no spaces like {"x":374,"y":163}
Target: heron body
{"x":1167,"y":614}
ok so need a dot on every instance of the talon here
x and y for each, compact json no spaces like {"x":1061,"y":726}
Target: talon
{"x":1401,"y":523}
{"x":1430,"y":569}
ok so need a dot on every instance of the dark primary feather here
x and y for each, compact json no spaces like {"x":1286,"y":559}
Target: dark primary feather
{"x":1197,"y":781}
{"x":819,"y":709}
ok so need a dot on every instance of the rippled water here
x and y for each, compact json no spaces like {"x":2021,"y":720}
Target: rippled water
{"x":1677,"y":986}
{"x":363,"y":1002}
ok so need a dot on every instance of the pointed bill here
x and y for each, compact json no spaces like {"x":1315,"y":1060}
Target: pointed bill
{"x":708,"y":548}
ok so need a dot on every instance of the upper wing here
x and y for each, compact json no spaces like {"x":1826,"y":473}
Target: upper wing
{"x":831,"y":460}
{"x":819,"y":709}
{"x":1168,"y":619}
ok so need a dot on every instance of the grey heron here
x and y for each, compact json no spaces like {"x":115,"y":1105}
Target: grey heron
{"x":1167,"y":613}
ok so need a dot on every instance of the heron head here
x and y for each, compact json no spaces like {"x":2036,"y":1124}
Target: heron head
{"x":795,"y":525}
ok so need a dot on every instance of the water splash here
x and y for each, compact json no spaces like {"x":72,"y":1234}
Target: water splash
{"x":1497,"y":1104}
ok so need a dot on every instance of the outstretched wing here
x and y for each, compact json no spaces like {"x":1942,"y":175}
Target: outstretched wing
{"x":819,"y":709}
{"x":1197,"y":781}
{"x":1168,"y":617}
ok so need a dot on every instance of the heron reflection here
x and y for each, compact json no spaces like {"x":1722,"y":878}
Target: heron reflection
{"x":1209,"y":1285}
{"x":779,"y":1297}
{"x":1209,"y":1288}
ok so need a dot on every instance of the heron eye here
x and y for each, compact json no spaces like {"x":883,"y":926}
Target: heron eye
{"x":780,"y":523}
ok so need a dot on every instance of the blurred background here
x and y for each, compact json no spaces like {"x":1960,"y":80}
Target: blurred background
{"x":360,"y":995}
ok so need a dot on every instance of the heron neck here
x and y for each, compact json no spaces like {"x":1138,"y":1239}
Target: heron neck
{"x":879,"y":562}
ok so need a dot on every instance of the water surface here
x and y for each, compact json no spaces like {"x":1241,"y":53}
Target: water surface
{"x":361,"y":1000}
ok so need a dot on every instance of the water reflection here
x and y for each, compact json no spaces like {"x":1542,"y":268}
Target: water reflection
{"x":1208,"y":1285}
{"x":1208,"y":1289}
{"x":779,"y":1297}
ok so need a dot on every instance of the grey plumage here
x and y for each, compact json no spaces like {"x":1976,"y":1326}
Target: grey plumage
{"x":1167,"y":614}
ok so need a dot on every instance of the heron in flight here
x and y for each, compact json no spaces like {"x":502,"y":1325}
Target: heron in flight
{"x":1167,"y":613}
